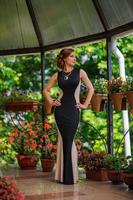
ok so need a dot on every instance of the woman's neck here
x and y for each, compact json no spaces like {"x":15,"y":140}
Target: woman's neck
{"x":68,"y":68}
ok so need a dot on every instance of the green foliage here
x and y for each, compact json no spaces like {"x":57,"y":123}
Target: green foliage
{"x":129,"y":165}
{"x":8,"y":78}
{"x":113,"y":162}
{"x":7,"y":155}
{"x":89,"y":133}
{"x":129,"y":84}
{"x":100,"y":86}
{"x":23,"y":73}
{"x":125,"y":45}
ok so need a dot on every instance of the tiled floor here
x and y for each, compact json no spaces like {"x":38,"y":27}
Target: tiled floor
{"x":38,"y":185}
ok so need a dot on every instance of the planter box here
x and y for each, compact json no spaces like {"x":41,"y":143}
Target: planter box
{"x":100,"y":175}
{"x":15,"y":106}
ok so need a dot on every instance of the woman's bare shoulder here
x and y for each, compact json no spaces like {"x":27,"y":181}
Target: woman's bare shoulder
{"x":82,"y":73}
{"x":54,"y":76}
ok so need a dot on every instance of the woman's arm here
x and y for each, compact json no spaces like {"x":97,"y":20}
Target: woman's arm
{"x":52,"y":81}
{"x":87,"y":82}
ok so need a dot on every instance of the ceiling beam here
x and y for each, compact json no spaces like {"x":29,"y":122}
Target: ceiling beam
{"x":121,"y":29}
{"x":34,"y":22}
{"x":76,"y":41}
{"x":20,"y":51}
{"x":81,"y":40}
{"x":101,"y":14}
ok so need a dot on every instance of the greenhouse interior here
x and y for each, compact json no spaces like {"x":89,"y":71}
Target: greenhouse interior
{"x":33,"y":34}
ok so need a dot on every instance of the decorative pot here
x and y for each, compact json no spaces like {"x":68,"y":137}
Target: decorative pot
{"x":47,"y":164}
{"x":117,"y":101}
{"x":99,"y":175}
{"x":115,"y":176}
{"x":27,"y":162}
{"x":21,"y":106}
{"x":98,"y":102}
{"x":130,"y":98}
{"x":128,"y":180}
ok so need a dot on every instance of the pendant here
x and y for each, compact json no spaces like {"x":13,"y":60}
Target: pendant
{"x":65,"y":78}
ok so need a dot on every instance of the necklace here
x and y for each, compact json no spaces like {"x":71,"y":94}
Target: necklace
{"x":66,"y":76}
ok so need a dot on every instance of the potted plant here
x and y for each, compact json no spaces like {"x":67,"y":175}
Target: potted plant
{"x":48,"y":147}
{"x":100,"y":96}
{"x":116,"y":92}
{"x":129,"y":90}
{"x":93,"y":163}
{"x":128,"y":172}
{"x":21,"y":101}
{"x":24,"y":142}
{"x":9,"y":190}
{"x":114,"y":166}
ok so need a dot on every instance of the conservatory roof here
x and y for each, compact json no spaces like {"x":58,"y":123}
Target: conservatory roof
{"x":40,"y":25}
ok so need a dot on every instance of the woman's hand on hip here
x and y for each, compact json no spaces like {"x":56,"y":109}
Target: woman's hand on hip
{"x":82,"y":106}
{"x":56,"y":102}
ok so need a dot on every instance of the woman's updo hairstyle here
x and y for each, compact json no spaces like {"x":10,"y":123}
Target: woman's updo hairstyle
{"x":64,"y":53}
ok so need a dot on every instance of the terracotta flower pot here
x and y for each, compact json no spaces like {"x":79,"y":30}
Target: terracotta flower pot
{"x":124,"y":105}
{"x":130,"y":98}
{"x":115,"y":176}
{"x":117,"y":101}
{"x":128,"y":180}
{"x":27,"y":162}
{"x":47,"y":164}
{"x":21,"y":106}
{"x":98,"y":102}
{"x":100,"y":175}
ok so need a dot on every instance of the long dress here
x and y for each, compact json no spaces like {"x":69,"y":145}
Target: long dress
{"x":67,"y":117}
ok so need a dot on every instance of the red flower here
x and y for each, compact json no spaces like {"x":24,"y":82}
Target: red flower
{"x":11,"y":139}
{"x":131,"y":111}
{"x":49,"y":146}
{"x":54,"y":146}
{"x":44,"y":136}
{"x":9,"y":189}
{"x":47,"y":126}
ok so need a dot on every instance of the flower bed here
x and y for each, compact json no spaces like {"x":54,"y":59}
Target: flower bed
{"x":9,"y":190}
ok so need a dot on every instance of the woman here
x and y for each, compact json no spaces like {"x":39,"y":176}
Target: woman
{"x":67,"y":113}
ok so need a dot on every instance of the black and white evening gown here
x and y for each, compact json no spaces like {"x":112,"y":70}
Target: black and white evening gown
{"x":67,"y":117}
